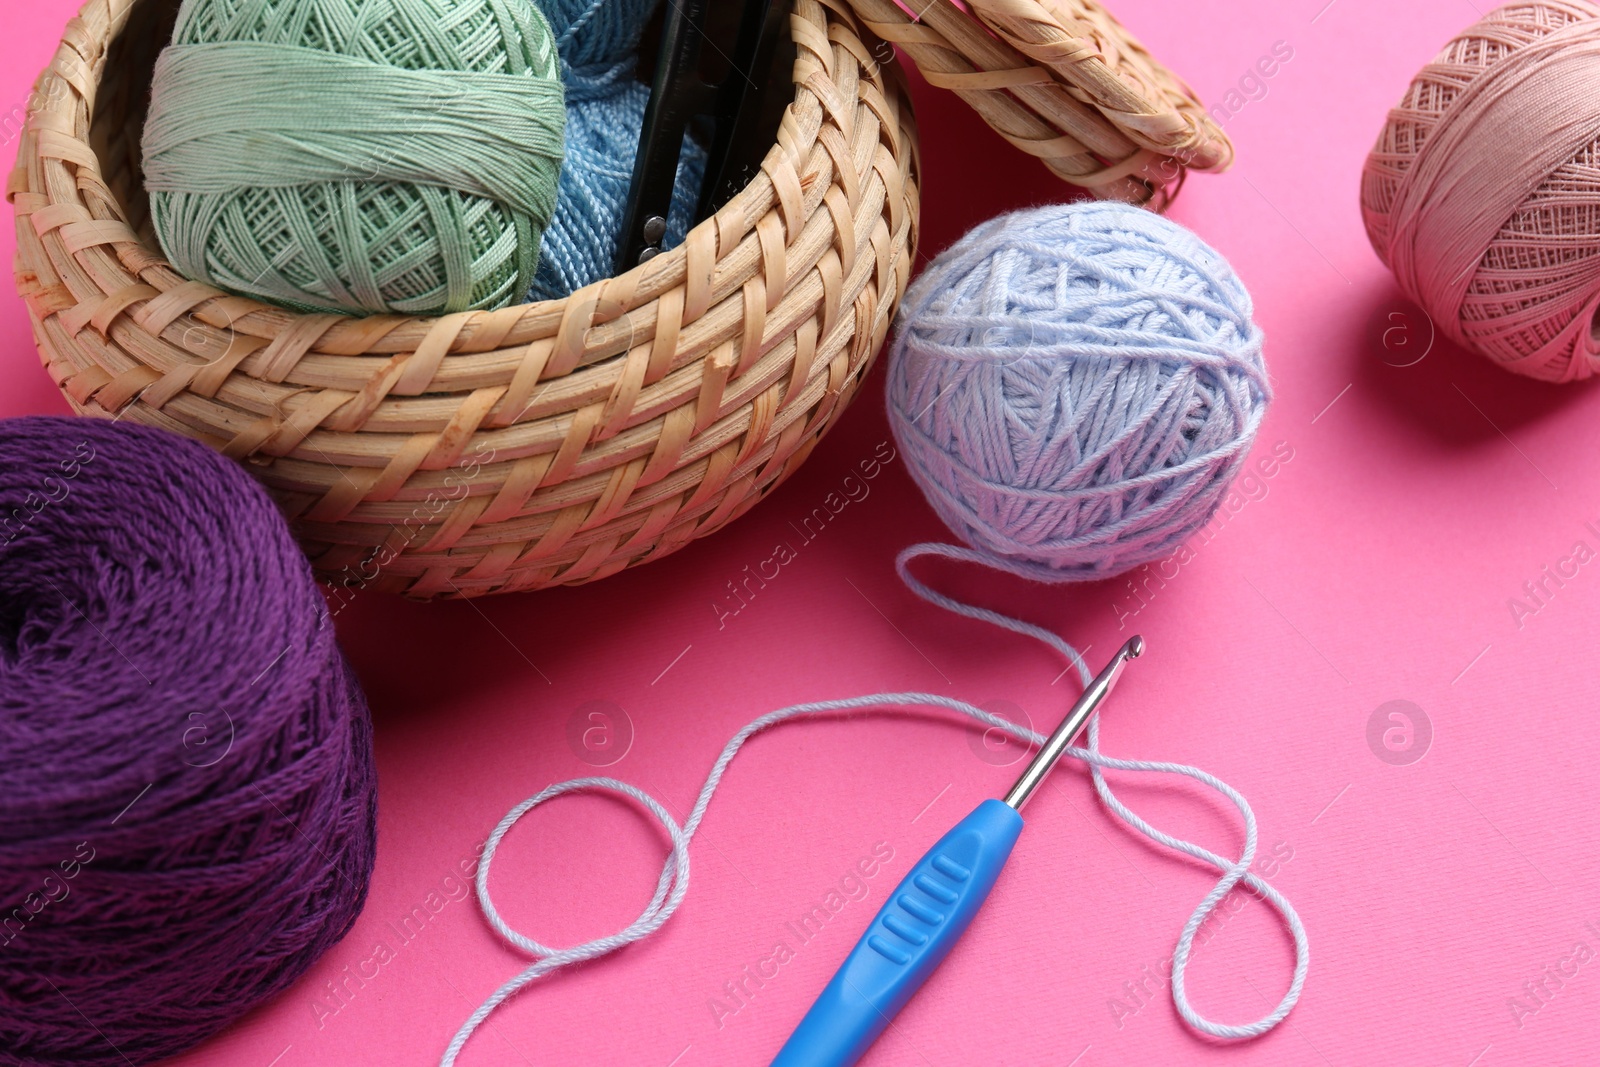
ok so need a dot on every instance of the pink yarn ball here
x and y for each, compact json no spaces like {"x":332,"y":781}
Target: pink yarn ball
{"x":1483,"y":191}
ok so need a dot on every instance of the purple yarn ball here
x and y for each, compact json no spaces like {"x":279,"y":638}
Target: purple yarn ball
{"x":187,"y":800}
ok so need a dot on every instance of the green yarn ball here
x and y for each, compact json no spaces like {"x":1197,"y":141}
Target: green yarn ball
{"x":357,"y":156}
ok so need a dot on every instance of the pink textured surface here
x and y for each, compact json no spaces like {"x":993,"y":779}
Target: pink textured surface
{"x":1378,"y":563}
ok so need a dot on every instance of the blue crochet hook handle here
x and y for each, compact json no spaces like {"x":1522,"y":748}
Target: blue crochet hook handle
{"x":931,"y":908}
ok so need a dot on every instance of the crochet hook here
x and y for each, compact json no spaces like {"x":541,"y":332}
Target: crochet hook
{"x":931,"y":907}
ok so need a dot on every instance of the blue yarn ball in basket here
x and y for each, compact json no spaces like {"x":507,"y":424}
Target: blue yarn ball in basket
{"x":1074,"y":388}
{"x":598,"y":41}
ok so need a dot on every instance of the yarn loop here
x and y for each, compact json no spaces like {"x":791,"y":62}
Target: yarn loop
{"x":673,"y":884}
{"x":1075,"y":387}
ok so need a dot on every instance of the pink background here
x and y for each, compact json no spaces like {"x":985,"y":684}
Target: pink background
{"x":1377,"y":566}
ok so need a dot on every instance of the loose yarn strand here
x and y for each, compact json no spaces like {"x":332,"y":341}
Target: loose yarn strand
{"x":673,"y":884}
{"x":1233,"y":871}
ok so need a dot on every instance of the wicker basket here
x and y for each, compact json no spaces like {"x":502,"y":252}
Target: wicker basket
{"x":560,"y":442}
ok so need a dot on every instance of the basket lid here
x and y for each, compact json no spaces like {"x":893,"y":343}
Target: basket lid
{"x":1064,"y":81}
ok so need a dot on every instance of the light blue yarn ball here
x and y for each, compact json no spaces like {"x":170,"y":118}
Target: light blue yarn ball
{"x":598,"y":41}
{"x":1074,"y":388}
